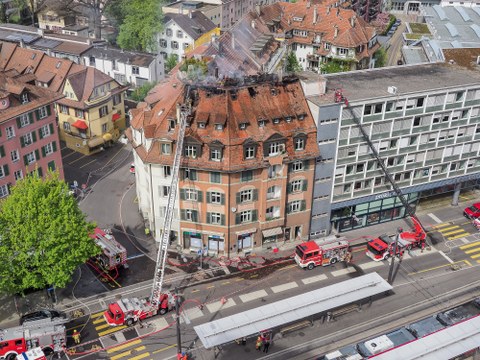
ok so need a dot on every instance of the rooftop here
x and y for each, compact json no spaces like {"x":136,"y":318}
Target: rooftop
{"x":135,"y":58}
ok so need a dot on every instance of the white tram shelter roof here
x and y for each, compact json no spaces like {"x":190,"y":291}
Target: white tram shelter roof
{"x":289,"y":310}
{"x":443,"y":344}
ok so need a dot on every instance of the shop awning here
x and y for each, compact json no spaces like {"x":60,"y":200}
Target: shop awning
{"x":249,"y":231}
{"x":95,"y":142}
{"x":272,"y":232}
{"x":115,"y":117}
{"x":80,"y":124}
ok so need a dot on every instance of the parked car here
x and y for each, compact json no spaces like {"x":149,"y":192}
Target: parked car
{"x":472,"y":212}
{"x":132,"y":168}
{"x":398,"y":22}
{"x":42,"y":314}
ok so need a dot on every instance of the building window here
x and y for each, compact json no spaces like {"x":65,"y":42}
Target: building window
{"x":18,"y":175}
{"x":25,"y":98}
{"x":48,"y":149}
{"x":45,"y":131}
{"x":180,"y":34}
{"x":191,"y":151}
{"x":246,"y":195}
{"x":42,"y":112}
{"x":165,"y":191}
{"x":191,"y":194}
{"x":247,"y":175}
{"x":275,"y":148}
{"x":166,"y":149}
{"x":185,"y":45}
{"x":327,"y":46}
{"x":295,"y":206}
{"x":163,"y":43}
{"x":167,"y":171}
{"x":66,"y":126}
{"x":3,"y":191}
{"x":215,"y":154}
{"x":215,"y":197}
{"x":14,"y":155}
{"x":299,"y":144}
{"x":10,"y":132}
{"x":215,"y":218}
{"x":64,"y":109}
{"x":250,"y":152}
{"x":104,"y":128}
{"x":190,"y":174}
{"x":103,"y":111}
{"x":135,"y":70}
{"x":27,"y":139}
{"x":116,"y":99}
{"x":23,"y":120}
{"x":296,"y":186}
{"x":174,"y":44}
{"x":169,"y":32}
{"x":342,"y":51}
{"x":190,"y":215}
{"x":215,"y":177}
{"x":246,"y":216}
{"x":30,"y":158}
{"x":273,"y":212}
{"x":297,"y":166}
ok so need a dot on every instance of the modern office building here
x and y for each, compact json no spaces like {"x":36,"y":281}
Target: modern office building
{"x":422,"y":119}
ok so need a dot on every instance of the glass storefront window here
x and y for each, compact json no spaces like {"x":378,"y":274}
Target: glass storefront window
{"x":372,"y":218}
{"x":375,"y":205}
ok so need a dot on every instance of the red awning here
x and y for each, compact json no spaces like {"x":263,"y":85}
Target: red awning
{"x":79,"y":124}
{"x":115,"y":117}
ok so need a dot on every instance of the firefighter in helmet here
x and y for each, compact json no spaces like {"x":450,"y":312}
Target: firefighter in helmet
{"x":76,"y":336}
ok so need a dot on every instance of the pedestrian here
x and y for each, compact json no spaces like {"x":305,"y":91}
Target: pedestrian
{"x":244,"y":341}
{"x":266,"y":345}
{"x":259,"y":343}
{"x":423,"y":245}
{"x":76,"y":336}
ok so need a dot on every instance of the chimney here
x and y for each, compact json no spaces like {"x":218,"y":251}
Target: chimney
{"x":216,"y":72}
{"x":253,"y":24}
{"x":352,"y":20}
{"x":257,"y":9}
{"x":190,"y":14}
{"x":22,"y":43}
{"x":336,"y":31}
{"x":314,"y":14}
{"x":338,"y":11}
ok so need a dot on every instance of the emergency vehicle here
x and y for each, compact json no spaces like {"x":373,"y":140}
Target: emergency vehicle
{"x":32,"y":354}
{"x":310,"y":254}
{"x":113,"y":254}
{"x":48,"y":335}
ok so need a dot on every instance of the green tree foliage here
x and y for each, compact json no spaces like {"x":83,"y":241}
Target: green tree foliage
{"x":292,"y":63}
{"x":170,"y":63}
{"x":142,"y":22}
{"x":140,"y":93}
{"x":194,"y":68}
{"x":44,"y":236}
{"x":334,"y":66}
{"x":380,"y":57}
{"x":3,"y":14}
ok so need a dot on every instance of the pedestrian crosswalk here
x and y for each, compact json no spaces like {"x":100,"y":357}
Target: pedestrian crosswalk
{"x":102,"y":327}
{"x":473,"y":250}
{"x":451,"y":232}
{"x":133,"y":350}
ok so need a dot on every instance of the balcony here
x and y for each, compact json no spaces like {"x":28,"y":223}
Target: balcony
{"x":442,"y":143}
{"x":472,"y":102}
{"x":393,"y":114}
{"x":415,"y":111}
{"x":459,"y":122}
{"x":400,"y":132}
{"x":453,"y":105}
{"x":442,"y":125}
{"x":451,"y":158}
{"x":434,"y":108}
{"x":374,"y":117}
{"x":429,"y":145}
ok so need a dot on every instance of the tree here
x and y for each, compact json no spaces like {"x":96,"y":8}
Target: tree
{"x":44,"y":236}
{"x":32,"y":7}
{"x":292,"y":63}
{"x":142,"y":22}
{"x":140,"y":93}
{"x":380,"y":57}
{"x":3,"y":13}
{"x":95,"y":9}
{"x":170,"y":63}
{"x":334,"y":66}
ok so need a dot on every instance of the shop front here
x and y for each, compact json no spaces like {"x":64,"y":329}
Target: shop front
{"x":271,"y":236}
{"x":216,"y":244}
{"x":245,"y":241}
{"x":192,"y":241}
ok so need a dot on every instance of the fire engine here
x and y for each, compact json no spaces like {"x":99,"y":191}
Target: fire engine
{"x":128,"y":311}
{"x":48,"y":335}
{"x":32,"y":354}
{"x":113,"y":254}
{"x":310,"y":254}
{"x":383,"y":247}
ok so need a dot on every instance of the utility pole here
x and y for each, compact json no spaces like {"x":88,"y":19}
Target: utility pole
{"x":179,"y":336}
{"x":392,"y":263}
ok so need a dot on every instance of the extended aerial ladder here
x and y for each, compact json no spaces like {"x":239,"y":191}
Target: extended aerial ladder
{"x":409,"y":210}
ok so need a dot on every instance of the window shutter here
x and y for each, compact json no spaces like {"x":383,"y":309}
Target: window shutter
{"x":6,"y":172}
{"x":40,"y":172}
{"x":237,"y":219}
{"x":40,"y":133}
{"x":238,"y":197}
{"x":255,"y":194}
{"x":289,"y":188}
{"x":194,"y":175}
{"x":304,"y":185}
{"x":51,"y":128}
{"x":19,"y":124}
{"x":30,"y":118}
{"x":200,"y":196}
{"x":194,"y":215}
{"x":303,"y":205}
{"x":51,"y":166}
{"x":34,"y":136}
{"x":306,"y":164}
{"x":222,"y":219}
{"x":290,"y":167}
{"x":222,"y":199}
{"x":254,"y":215}
{"x":25,"y":159}
{"x":209,"y":197}
{"x":22,"y":141}
{"x":37,"y":114}
{"x":182,"y":194}
{"x":54,"y":146}
{"x":44,"y":153}
{"x":49,"y":111}
{"x":182,"y":215}
{"x":2,"y":151}
{"x":289,"y":209}
{"x":37,"y":154}
{"x":209,"y":221}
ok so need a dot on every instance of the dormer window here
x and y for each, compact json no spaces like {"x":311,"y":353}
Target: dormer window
{"x":218,"y":126}
{"x":262,"y":123}
{"x":249,"y":152}
{"x":301,"y":117}
{"x":171,"y":124}
{"x":216,"y":154}
{"x":299,"y":143}
{"x":202,"y":125}
{"x":191,"y":151}
{"x":275,"y":148}
{"x":276,"y":120}
{"x":25,"y":98}
{"x":288,"y":119}
{"x":242,"y":126}
{"x":273,"y":92}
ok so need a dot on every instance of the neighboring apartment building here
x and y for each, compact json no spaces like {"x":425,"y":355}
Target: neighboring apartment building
{"x":247,"y":169}
{"x":424,"y":120}
{"x":126,"y":67}
{"x":92,"y":114}
{"x":28,"y":133}
{"x":181,"y":31}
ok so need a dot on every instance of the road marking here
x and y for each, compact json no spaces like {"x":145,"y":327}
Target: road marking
{"x":371,"y":264}
{"x":87,"y":164}
{"x":463,"y":247}
{"x":343,"y":271}
{"x":129,"y":352}
{"x":217,"y":305}
{"x":453,"y":232}
{"x":194,"y":291}
{"x":98,"y":321}
{"x":192,"y":314}
{"x":436,"y":219}
{"x":315,"y":278}
{"x":124,"y":346}
{"x":448,"y":228}
{"x":159,"y":323}
{"x":93,"y":316}
{"x":253,"y":295}
{"x":441,"y":225}
{"x":103,"y":326}
{"x":288,"y":267}
{"x":76,"y":326}
{"x":163,"y":349}
{"x":210,"y":287}
{"x":120,"y":337}
{"x":362,"y":248}
{"x":112,"y":330}
{"x":226,"y":283}
{"x":446,"y":257}
{"x":475,"y":256}
{"x":283,"y":287}
{"x":141,"y":356}
{"x":441,"y":266}
{"x":472,"y":251}
{"x":458,"y":236}
{"x":74,"y":161}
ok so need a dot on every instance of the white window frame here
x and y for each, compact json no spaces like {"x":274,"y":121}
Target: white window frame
{"x":191,"y":194}
{"x":79,"y":113}
{"x":299,"y":144}
{"x":342,"y":51}
{"x":294,"y":206}
{"x":25,"y":98}
{"x":3,"y":191}
{"x":42,"y":112}
{"x":250,"y":152}
{"x":31,"y":158}
{"x":189,"y":215}
{"x":135,"y":70}
{"x":18,"y":175}
{"x":191,"y":151}
{"x":275,"y":148}
{"x":45,"y":131}
{"x":215,"y":218}
{"x":215,"y":197}
{"x":64,"y":109}
{"x":28,"y":139}
{"x":216,"y":155}
{"x":246,"y":216}
{"x":246,"y":195}
{"x":298,"y":166}
{"x":166,"y":149}
{"x":296,"y":185}
{"x":165,"y":190}
{"x":24,"y":120}
{"x":14,"y":155}
{"x":48,"y":149}
{"x":10,"y":130}
{"x":66,"y":126}
{"x":167,"y":171}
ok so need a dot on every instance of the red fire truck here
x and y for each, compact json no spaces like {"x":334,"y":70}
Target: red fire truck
{"x":113,"y":254}
{"x":32,"y":354}
{"x":310,"y":254}
{"x":129,"y":311}
{"x":49,"y":335}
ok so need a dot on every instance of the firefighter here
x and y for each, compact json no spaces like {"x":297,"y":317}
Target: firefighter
{"x":76,"y":336}
{"x":259,"y":343}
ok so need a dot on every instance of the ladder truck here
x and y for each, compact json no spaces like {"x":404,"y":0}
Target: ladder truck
{"x":417,"y":236}
{"x":128,"y":311}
